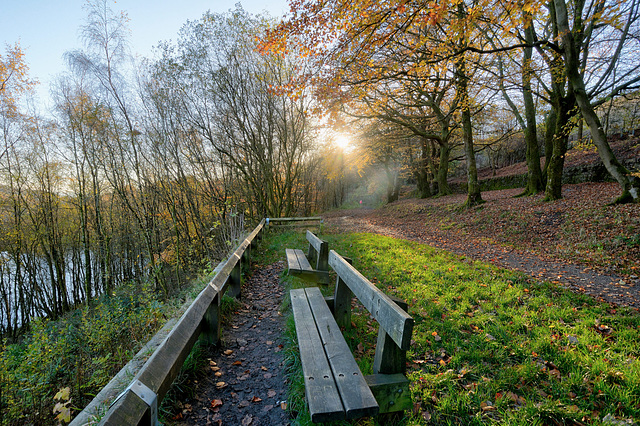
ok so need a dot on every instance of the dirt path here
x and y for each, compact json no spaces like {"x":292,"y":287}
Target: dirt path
{"x":606,"y":287}
{"x":246,"y":384}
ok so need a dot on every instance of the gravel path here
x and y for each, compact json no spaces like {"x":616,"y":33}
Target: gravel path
{"x":246,"y":384}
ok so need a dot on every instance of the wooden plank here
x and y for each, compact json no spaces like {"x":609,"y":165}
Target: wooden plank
{"x":128,"y":410}
{"x":314,"y":240}
{"x":303,"y":261}
{"x":320,"y":387}
{"x":293,"y":219}
{"x":292,"y":260}
{"x":297,"y":261}
{"x":356,"y":396}
{"x":391,"y":391}
{"x":319,"y":251}
{"x":395,"y":321}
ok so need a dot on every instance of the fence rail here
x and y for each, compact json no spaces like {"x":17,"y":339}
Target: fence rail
{"x":295,"y":222}
{"x":138,"y":403}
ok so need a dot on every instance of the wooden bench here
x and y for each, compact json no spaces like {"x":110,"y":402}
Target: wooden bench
{"x":334,"y":385}
{"x":300,"y":266}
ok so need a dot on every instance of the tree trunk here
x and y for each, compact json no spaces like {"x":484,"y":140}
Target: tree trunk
{"x":534,"y":182}
{"x":552,"y":119}
{"x":393,"y":185}
{"x":564,"y":107}
{"x":443,"y":169}
{"x":421,"y":171}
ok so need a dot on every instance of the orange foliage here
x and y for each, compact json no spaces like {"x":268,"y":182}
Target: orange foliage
{"x":362,"y":42}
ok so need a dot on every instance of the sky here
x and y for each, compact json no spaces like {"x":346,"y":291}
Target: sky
{"x":46,"y":29}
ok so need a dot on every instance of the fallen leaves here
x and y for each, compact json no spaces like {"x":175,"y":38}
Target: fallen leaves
{"x":602,"y":329}
{"x":511,"y":396}
{"x":487,"y":406}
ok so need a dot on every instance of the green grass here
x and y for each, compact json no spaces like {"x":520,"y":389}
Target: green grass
{"x":490,"y":346}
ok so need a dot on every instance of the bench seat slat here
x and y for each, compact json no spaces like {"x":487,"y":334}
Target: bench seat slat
{"x":321,"y":391}
{"x":297,"y":261}
{"x":356,"y":396}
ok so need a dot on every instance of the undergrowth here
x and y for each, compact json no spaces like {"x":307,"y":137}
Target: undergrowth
{"x":490,"y":346}
{"x":81,"y":351}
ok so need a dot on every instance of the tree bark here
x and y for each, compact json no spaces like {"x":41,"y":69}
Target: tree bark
{"x":421,"y":172}
{"x":443,"y":169}
{"x":534,"y":181}
{"x":473,"y":187}
{"x":564,"y":105}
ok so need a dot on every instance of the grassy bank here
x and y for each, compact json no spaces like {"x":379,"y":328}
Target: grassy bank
{"x":490,"y":346}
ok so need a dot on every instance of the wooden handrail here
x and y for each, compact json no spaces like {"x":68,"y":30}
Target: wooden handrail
{"x":293,"y":219}
{"x":159,"y":371}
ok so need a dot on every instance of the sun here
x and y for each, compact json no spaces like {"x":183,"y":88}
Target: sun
{"x":342,"y":141}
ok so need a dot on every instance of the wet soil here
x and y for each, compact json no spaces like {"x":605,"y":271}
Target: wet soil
{"x":245,"y":382}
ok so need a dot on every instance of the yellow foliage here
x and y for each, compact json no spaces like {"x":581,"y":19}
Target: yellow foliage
{"x":14,"y":79}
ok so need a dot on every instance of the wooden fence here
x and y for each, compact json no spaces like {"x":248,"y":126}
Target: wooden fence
{"x":138,"y":403}
{"x":287,"y":222}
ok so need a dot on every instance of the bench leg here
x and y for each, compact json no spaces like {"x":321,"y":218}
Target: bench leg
{"x":342,"y":304}
{"x":389,"y":358}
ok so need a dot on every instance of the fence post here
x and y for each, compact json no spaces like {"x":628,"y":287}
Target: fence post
{"x":211,"y":329}
{"x":235,"y":280}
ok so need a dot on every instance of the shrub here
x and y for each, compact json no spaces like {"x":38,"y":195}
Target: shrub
{"x":81,"y":351}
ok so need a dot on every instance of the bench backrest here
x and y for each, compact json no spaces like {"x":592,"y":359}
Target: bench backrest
{"x":392,"y":318}
{"x":319,"y":251}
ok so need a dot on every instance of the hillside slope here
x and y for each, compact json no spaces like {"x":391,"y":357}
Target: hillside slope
{"x":580,"y":231}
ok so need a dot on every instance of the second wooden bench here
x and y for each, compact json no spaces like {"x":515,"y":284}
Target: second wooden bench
{"x":299,"y":265}
{"x":334,"y":385}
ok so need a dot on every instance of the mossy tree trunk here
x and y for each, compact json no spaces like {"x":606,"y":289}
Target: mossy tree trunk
{"x":421,"y":170}
{"x":443,"y":169}
{"x":553,"y":190}
{"x":534,"y":181}
{"x":462,"y":96}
